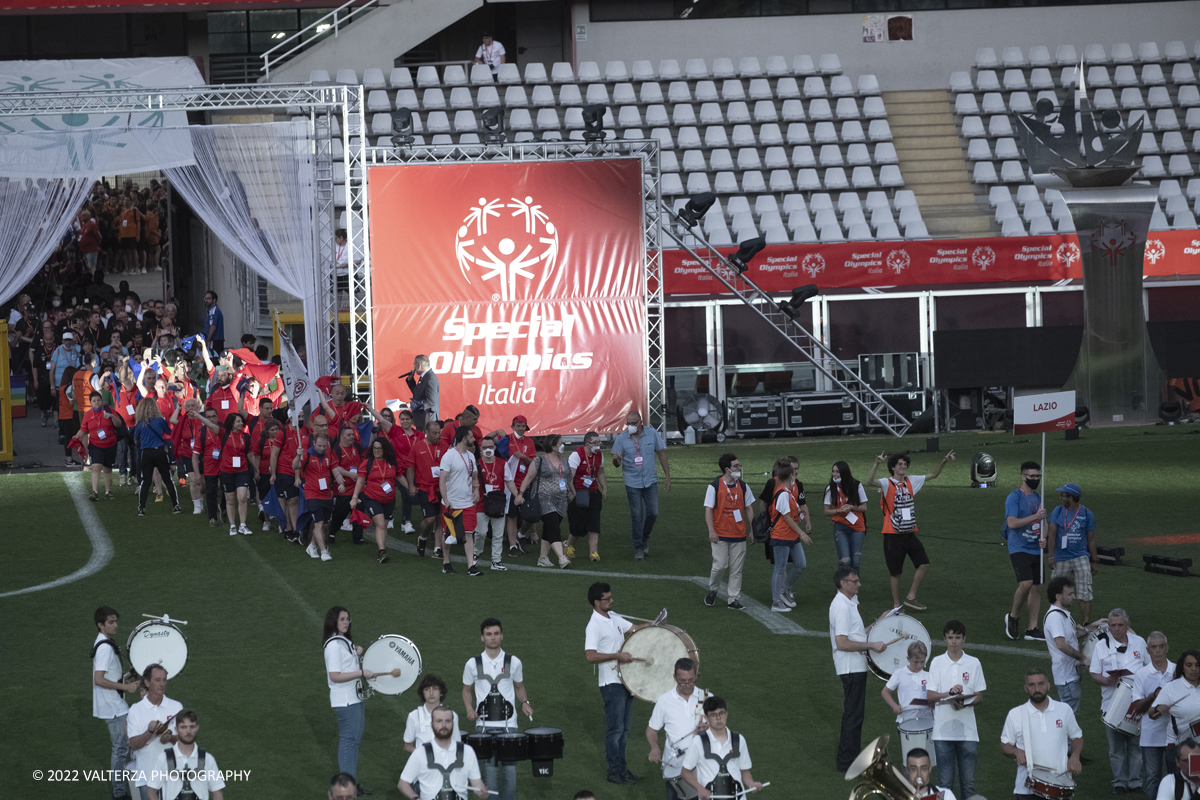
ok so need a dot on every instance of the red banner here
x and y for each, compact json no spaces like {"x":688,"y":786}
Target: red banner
{"x":780,"y":268}
{"x":523,"y":283}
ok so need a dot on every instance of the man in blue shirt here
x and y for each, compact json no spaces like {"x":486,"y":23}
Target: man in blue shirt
{"x":633,"y":452}
{"x":1023,"y":519}
{"x":214,"y":322}
{"x":1072,"y":528}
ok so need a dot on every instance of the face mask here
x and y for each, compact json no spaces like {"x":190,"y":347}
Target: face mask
{"x":1032,"y":483}
{"x":736,"y":474}
{"x":128,"y":308}
{"x":631,"y":428}
{"x":489,"y":452}
{"x":562,"y":447}
{"x":56,"y":303}
{"x":837,"y":480}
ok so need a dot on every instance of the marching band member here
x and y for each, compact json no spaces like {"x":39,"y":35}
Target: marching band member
{"x":1118,"y":655}
{"x":955,"y":733}
{"x":150,"y":725}
{"x":849,"y":640}
{"x":681,"y":714}
{"x":1054,"y":737}
{"x":911,"y":686}
{"x":606,"y":632}
{"x":713,"y":755}
{"x":1184,"y":784}
{"x":498,"y":681}
{"x":108,"y":700}
{"x":1181,"y":699}
{"x":917,"y":767}
{"x":185,"y":770}
{"x":1062,"y":640}
{"x":443,"y":768}
{"x":342,"y":670}
{"x":418,"y":728}
{"x":1147,"y":683}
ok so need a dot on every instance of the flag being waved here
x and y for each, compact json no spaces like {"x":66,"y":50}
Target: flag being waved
{"x":295,"y":378}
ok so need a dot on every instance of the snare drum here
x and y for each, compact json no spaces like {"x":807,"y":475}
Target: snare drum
{"x":657,"y":647}
{"x":1050,"y":785}
{"x":510,"y":746}
{"x":916,"y":734}
{"x":157,"y":642}
{"x":683,"y":788}
{"x":901,"y":630}
{"x":1119,"y":717}
{"x":545,"y":745}
{"x":481,"y":743}
{"x":389,"y":653}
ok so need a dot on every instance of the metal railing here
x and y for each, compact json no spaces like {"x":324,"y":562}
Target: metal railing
{"x":334,"y":21}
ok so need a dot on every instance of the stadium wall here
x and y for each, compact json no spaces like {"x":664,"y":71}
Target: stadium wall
{"x":943,"y":41}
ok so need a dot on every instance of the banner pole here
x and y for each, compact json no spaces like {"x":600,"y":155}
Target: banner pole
{"x":1042,"y":501}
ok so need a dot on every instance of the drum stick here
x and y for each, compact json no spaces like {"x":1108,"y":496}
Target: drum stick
{"x":639,"y":619}
{"x":165,"y":618}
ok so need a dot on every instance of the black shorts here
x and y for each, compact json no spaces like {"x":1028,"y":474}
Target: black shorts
{"x":184,"y":466}
{"x":232,"y":481}
{"x":583,"y":521}
{"x":373,"y":508}
{"x":264,"y":484}
{"x":285,"y":487}
{"x":552,"y":527}
{"x":431,"y":503}
{"x":319,"y":510}
{"x":128,"y":243}
{"x":104,"y":456}
{"x":898,"y":545}
{"x":1027,"y":567}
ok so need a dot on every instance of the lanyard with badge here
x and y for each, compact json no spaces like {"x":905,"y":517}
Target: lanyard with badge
{"x":385,"y":484}
{"x":562,"y":482}
{"x":637,"y":444}
{"x":734,"y":501}
{"x":491,"y":472}
{"x":590,"y":462}
{"x":1067,"y":525}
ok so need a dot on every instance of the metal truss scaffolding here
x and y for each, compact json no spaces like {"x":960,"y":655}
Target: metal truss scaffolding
{"x":813,"y":349}
{"x":327,"y":109}
{"x":362,"y":345}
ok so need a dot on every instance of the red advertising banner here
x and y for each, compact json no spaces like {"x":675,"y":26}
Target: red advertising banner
{"x":780,"y":268}
{"x":523,"y":283}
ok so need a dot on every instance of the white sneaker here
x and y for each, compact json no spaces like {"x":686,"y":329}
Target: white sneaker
{"x":244,"y":530}
{"x":233,"y":530}
{"x":496,"y":565}
{"x":391,"y":524}
{"x":121,"y":482}
{"x":325,"y":556}
{"x":312,"y":550}
{"x":267,"y":525}
{"x":788,"y":601}
{"x":408,"y":528}
{"x":346,"y":526}
{"x":544,"y":562}
{"x":197,"y":507}
{"x":451,"y":541}
{"x":781,"y":609}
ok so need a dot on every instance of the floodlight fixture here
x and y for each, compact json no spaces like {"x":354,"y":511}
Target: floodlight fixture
{"x":800,"y":296}
{"x":1110,"y":556}
{"x":697,"y":206}
{"x":983,"y":471}
{"x":402,"y":127}
{"x":1165,"y":565}
{"x":593,"y":122}
{"x":747,"y":250}
{"x":493,"y":125}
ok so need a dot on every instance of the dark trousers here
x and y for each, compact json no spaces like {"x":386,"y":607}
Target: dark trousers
{"x":406,"y":505}
{"x":213,"y":498}
{"x":341,"y":510}
{"x":618,"y":719}
{"x":854,"y":688}
{"x":156,"y":459}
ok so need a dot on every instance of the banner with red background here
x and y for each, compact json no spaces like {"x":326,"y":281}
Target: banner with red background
{"x":523,"y":283}
{"x":780,"y":268}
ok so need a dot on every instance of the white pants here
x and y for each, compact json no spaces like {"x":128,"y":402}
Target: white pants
{"x":731,"y":556}
{"x":482,"y":525}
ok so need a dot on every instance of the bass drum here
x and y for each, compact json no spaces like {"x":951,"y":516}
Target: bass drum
{"x":157,"y":642}
{"x":396,"y":659}
{"x":655,"y":649}
{"x":897,"y":631}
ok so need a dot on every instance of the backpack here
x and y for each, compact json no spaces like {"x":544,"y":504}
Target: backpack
{"x":764,"y":521}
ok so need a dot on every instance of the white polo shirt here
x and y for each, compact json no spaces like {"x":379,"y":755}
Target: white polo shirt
{"x":950,"y":725}
{"x":705,"y":768}
{"x":1145,"y":681}
{"x":340,"y":657}
{"x":494,"y":667}
{"x":844,"y":620}
{"x":606,"y":635}
{"x":170,"y":784}
{"x":678,"y":716}
{"x":137,"y":721}
{"x":909,"y":686}
{"x":418,"y":770}
{"x":1106,"y":659}
{"x":1058,"y":622}
{"x":107,"y":703}
{"x":1050,"y":732}
{"x":1184,"y":700}
{"x":418,"y":728}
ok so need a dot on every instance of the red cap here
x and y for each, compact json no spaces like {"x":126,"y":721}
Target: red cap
{"x":520,"y":418}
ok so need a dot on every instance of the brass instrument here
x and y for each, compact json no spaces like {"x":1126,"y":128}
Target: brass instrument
{"x":877,"y":778}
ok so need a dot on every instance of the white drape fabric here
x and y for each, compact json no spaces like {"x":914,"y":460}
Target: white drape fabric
{"x":44,"y":179}
{"x":253,"y":185}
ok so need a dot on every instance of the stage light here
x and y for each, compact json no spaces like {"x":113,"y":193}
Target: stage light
{"x":593,"y":122}
{"x":1110,"y":556}
{"x":1082,"y":415}
{"x":1170,"y":412}
{"x":800,"y":296}
{"x":983,"y":471}
{"x":697,"y":206}
{"x":1165,"y":565}
{"x":747,"y":250}
{"x":493,"y":125}
{"x":402,"y":127}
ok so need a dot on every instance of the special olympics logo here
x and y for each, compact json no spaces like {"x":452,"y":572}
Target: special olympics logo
{"x":1155,"y":250}
{"x":1113,"y":239}
{"x":1068,"y":253}
{"x":983,"y":257}
{"x":897,"y":260}
{"x":510,"y":246}
{"x":812,"y":264}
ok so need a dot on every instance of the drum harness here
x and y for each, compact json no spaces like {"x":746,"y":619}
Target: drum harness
{"x":125,"y":676}
{"x":446,"y":792}
{"x":361,"y":688}
{"x":188,"y":775}
{"x":494,"y":707}
{"x":724,"y":784}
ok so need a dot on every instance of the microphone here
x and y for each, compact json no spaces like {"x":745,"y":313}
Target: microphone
{"x":408,"y":374}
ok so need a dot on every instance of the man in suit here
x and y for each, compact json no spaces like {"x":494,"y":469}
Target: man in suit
{"x":423,"y":383}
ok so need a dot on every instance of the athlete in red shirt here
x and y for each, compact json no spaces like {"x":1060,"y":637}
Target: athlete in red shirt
{"x":234,"y":469}
{"x":283,"y":477}
{"x":346,"y":460}
{"x":223,"y":396}
{"x":315,"y":468}
{"x":587,"y":470}
{"x":424,"y":469}
{"x":262,"y":441}
{"x":185,"y":430}
{"x":206,"y":460}
{"x":377,"y":479}
{"x":521,"y":448}
{"x":338,"y":410}
{"x":99,"y":426}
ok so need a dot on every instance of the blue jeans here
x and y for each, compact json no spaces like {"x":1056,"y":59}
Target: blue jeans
{"x":956,"y":759}
{"x":789,"y":565}
{"x":120,"y":754}
{"x":618,"y":719}
{"x":1153,"y":759}
{"x":643,"y":511}
{"x":1125,"y":758}
{"x":491,"y":777}
{"x":849,"y":544}
{"x":350,"y":721}
{"x":1070,"y":694}
{"x":124,"y":454}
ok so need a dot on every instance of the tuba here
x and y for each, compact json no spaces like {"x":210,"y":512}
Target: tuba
{"x":877,"y":778}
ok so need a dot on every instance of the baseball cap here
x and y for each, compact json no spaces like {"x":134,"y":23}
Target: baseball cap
{"x":68,"y":335}
{"x":1071,"y":488}
{"x":521,"y":418}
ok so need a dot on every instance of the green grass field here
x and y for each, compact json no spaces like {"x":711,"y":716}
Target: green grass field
{"x":254,"y":604}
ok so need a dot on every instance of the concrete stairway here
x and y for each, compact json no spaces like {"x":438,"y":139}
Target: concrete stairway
{"x":931,"y":160}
